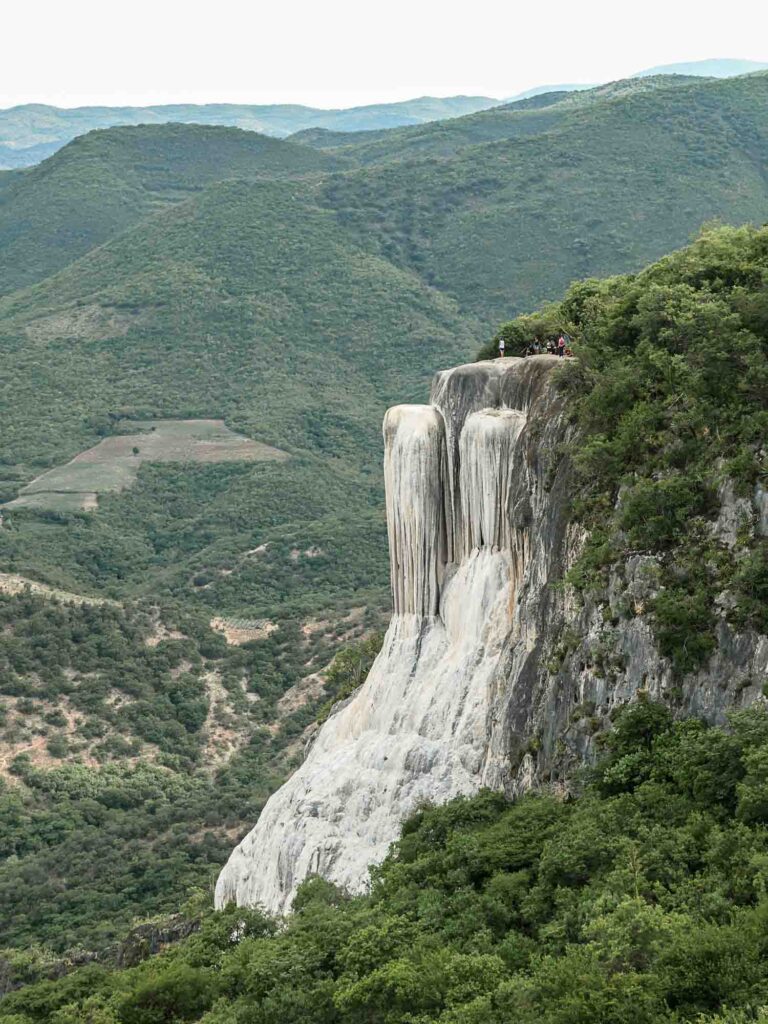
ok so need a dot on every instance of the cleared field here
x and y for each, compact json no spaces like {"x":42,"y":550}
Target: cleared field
{"x":242,"y":631}
{"x":113,"y":464}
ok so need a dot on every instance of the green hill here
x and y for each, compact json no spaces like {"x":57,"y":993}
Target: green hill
{"x":600,"y":186}
{"x":716,"y":68}
{"x":516,"y":119}
{"x":33,"y":131}
{"x":249,"y":303}
{"x":106,"y":181}
{"x":529,"y":195}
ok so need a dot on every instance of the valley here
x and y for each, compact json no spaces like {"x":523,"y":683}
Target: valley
{"x":201,"y":330}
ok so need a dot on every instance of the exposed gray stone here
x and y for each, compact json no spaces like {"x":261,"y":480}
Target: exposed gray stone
{"x":736,"y":514}
{"x":492,"y":673}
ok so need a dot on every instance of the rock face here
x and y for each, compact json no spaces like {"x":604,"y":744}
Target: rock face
{"x":477,"y":684}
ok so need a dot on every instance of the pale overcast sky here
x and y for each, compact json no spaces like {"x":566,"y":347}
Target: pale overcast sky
{"x":347,"y":52}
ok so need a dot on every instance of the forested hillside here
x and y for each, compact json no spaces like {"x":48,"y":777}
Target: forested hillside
{"x":105,"y":182}
{"x":603,"y":185}
{"x":641,"y":902}
{"x":514,"y":120}
{"x":179,"y":274}
{"x":249,"y":303}
{"x":132,"y":740}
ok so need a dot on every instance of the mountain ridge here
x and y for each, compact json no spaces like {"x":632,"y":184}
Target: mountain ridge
{"x":30,"y":132}
{"x":103,"y":182}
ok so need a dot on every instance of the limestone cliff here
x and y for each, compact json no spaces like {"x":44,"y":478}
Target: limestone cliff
{"x":490,"y":675}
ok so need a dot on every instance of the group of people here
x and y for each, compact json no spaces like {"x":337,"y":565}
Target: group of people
{"x":551,"y":347}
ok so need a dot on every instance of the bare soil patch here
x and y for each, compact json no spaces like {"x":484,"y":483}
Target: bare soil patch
{"x":12,"y":584}
{"x":89,"y":323}
{"x":242,"y":631}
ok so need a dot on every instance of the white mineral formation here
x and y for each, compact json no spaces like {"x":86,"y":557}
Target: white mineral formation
{"x":475,"y":684}
{"x":414,"y":469}
{"x":421,"y":727}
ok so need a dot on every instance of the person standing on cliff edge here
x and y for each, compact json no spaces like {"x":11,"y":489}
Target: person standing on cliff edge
{"x":501,"y":347}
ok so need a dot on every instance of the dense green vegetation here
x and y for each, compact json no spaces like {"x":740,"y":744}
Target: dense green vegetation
{"x":605,"y":185}
{"x":642,"y":901}
{"x":349,"y":670}
{"x":671,"y":394}
{"x":109,"y":180}
{"x":139,"y":749}
{"x":204,"y":272}
{"x":529,"y":195}
{"x":516,"y":120}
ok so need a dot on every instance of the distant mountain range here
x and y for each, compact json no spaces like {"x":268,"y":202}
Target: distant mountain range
{"x":34,"y":131}
{"x":715,"y":68}
{"x":30,"y":133}
{"x":541,"y":90}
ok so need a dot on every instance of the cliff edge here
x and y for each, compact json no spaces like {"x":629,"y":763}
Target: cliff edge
{"x":475,"y":685}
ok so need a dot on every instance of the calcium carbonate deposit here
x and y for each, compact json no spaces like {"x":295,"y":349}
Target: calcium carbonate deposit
{"x":473,"y":686}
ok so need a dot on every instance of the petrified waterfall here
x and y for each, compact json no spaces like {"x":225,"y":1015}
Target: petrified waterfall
{"x":487,"y":471}
{"x":414,"y":471}
{"x":461,"y":485}
{"x":491,"y":673}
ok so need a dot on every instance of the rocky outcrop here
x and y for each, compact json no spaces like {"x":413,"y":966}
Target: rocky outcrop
{"x":491,"y":673}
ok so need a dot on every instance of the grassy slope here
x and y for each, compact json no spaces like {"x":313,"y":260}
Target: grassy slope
{"x":106,"y":181}
{"x":505,"y":226}
{"x":253,"y":304}
{"x":517,"y":120}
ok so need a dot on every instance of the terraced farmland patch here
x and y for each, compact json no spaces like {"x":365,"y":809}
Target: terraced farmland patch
{"x":113,"y":464}
{"x":242,"y":631}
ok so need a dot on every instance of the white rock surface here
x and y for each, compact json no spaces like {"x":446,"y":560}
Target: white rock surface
{"x":414,"y":468}
{"x":418,"y":730}
{"x":475,"y":684}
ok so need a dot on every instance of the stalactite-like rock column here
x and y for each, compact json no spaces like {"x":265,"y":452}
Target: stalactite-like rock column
{"x":414,"y":472}
{"x":488,"y":467}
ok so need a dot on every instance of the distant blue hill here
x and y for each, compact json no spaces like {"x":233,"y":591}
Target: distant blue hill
{"x":715,"y":68}
{"x":33,"y":131}
{"x":539,"y":90}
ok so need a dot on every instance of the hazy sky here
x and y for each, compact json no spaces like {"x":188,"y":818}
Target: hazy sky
{"x":345,"y":52}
